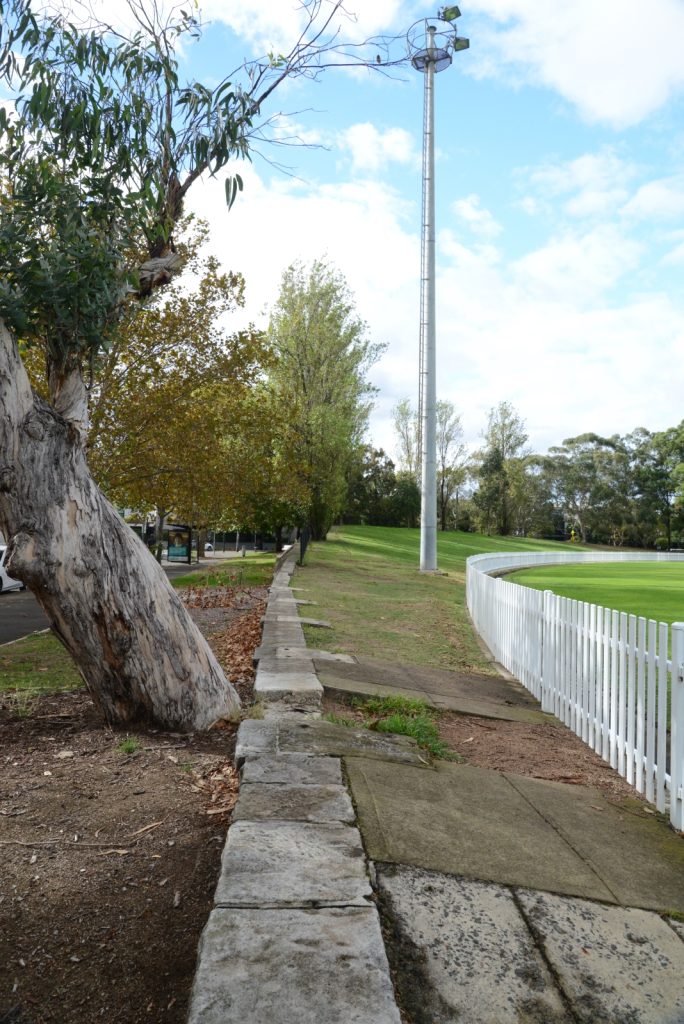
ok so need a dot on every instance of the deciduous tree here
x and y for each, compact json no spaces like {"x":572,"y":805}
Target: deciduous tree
{"x":451,"y":458}
{"x":505,"y":439}
{"x":406,"y":429}
{"x":322,"y":357}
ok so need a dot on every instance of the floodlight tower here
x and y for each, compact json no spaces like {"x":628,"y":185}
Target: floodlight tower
{"x":430,"y":49}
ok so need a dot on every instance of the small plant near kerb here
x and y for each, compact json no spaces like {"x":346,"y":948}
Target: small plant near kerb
{"x":350,"y":723}
{"x":402,"y":716}
{"x":21,"y":702}
{"x":129,"y":746}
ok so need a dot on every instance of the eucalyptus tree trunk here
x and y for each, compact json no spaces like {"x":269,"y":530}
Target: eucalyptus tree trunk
{"x":140,"y":654}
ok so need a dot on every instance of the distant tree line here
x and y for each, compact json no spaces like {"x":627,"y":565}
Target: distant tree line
{"x":616,"y":490}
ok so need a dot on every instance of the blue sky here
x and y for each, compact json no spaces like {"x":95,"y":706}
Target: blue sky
{"x":560,"y":205}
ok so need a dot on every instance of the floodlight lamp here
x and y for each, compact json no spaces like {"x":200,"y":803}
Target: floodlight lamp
{"x":449,"y":13}
{"x":461,"y":44}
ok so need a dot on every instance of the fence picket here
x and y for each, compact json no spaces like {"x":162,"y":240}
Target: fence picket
{"x":622,"y":694}
{"x":614,"y":687}
{"x":651,"y":712}
{"x":639,"y":742}
{"x":631,"y":699}
{"x":591,"y":677}
{"x":661,"y":697}
{"x":605,"y":690}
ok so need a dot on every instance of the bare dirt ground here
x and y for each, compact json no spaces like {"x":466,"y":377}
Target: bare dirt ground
{"x":109,"y":859}
{"x":546,"y":751}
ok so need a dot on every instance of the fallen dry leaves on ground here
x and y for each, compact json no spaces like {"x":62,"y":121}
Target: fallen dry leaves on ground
{"x":110,"y":859}
{"x":215,"y":597}
{"x":235,"y":646}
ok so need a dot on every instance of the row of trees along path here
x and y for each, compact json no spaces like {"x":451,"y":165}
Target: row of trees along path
{"x":97,"y":152}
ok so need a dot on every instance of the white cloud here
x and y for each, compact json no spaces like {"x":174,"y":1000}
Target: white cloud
{"x":567,"y":369}
{"x":359,"y":225}
{"x":266,"y":25}
{"x":477,"y":217}
{"x":277,"y":23}
{"x":371,"y":148}
{"x":617,"y":62}
{"x":675,"y":256}
{"x":657,"y":200}
{"x":592,"y":184}
{"x":577,"y":268}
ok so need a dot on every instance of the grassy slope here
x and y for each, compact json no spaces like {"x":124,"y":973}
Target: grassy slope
{"x":655,"y":591}
{"x":365,"y":580}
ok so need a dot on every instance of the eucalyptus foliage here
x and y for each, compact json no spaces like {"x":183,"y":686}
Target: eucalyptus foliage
{"x":97,"y":149}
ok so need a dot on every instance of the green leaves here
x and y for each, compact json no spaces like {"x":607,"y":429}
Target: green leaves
{"x":233,"y":186}
{"x":323,"y":355}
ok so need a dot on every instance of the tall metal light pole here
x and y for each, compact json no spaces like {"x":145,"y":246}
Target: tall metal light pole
{"x":430,"y":48}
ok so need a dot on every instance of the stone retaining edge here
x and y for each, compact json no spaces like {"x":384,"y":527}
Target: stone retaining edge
{"x":294,"y":934}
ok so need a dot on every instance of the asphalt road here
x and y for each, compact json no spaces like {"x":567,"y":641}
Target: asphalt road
{"x":20,"y":613}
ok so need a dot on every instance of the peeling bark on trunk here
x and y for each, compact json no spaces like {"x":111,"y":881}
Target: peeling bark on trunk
{"x":107,"y":599}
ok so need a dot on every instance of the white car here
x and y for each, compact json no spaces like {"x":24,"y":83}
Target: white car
{"x":6,"y":582}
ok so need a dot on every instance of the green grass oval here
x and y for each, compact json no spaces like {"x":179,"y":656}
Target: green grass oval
{"x":654,"y":590}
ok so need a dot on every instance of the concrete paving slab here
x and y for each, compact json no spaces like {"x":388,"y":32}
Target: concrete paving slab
{"x":294,"y":769}
{"x":615,"y":965}
{"x":461,"y":705}
{"x":340,"y":741}
{"x":317,"y":654}
{"x":324,"y":966}
{"x":275,"y":709}
{"x":271,"y":638}
{"x":299,"y":662}
{"x":255,"y":737}
{"x":285,"y":864}
{"x":321,"y":623}
{"x":261,"y":802}
{"x":301,"y":687}
{"x":284,"y":631}
{"x":484,"y":696}
{"x":466,"y":821}
{"x":462,"y":952}
{"x":636,"y":854}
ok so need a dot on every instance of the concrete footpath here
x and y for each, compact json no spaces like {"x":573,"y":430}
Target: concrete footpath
{"x":359,"y":877}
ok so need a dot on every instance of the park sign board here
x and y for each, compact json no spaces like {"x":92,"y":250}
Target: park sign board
{"x":179,"y":544}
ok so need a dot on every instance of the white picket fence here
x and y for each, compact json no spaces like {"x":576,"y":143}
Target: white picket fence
{"x":607,"y":675}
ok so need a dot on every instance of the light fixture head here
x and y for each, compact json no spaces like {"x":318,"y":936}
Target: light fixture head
{"x":432,"y":42}
{"x":449,"y":13}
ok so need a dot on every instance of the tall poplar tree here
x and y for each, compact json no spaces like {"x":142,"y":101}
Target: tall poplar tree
{"x":322,"y":357}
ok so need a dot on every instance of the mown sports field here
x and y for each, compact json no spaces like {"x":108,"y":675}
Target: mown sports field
{"x":654,"y":589}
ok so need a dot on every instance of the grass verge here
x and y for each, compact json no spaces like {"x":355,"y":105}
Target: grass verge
{"x":37,"y":664}
{"x":367,"y":583}
{"x":254,"y":570}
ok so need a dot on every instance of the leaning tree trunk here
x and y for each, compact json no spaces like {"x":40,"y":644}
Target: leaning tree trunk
{"x":140,"y":654}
